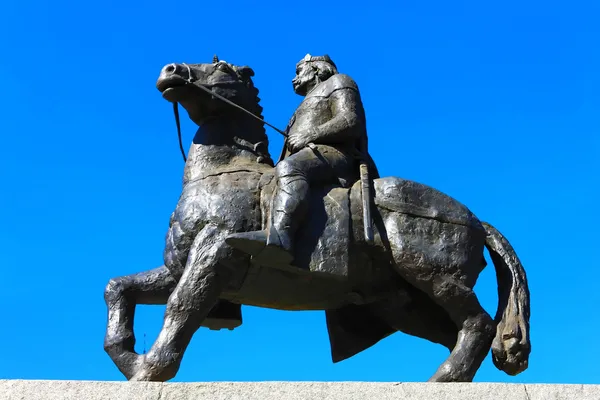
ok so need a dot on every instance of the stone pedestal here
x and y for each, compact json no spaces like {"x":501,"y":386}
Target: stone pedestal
{"x":84,"y":390}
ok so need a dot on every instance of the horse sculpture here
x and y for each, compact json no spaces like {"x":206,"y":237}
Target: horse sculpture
{"x":417,"y":277}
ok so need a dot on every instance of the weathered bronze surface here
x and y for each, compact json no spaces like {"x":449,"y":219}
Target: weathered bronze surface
{"x":314,"y":232}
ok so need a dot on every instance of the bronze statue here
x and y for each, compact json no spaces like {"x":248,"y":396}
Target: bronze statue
{"x":246,"y":232}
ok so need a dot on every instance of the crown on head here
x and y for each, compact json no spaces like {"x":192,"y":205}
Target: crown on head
{"x":324,"y":58}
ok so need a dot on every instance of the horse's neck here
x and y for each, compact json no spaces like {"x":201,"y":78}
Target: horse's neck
{"x":223,"y":144}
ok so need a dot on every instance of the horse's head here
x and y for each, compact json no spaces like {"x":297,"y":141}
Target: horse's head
{"x":182,"y":83}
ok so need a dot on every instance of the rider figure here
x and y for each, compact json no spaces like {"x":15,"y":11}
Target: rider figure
{"x":326,"y":138}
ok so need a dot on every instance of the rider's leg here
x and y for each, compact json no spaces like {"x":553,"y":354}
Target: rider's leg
{"x":289,"y":204}
{"x":295,"y":175}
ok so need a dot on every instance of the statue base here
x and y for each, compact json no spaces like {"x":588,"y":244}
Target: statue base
{"x":94,"y":390}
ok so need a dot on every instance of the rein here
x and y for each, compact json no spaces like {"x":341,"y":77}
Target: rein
{"x":191,"y":81}
{"x":176,"y":112}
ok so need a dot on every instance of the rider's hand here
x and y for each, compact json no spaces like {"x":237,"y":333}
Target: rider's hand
{"x":298,"y":142}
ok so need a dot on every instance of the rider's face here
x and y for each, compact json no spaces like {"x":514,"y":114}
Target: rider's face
{"x":305,"y":78}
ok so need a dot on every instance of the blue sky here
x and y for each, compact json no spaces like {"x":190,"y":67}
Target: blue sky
{"x":496,"y":105}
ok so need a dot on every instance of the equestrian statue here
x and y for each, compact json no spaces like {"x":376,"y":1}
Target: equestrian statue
{"x":318,"y":230}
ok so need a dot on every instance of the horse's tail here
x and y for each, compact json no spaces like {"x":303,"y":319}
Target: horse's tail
{"x":511,"y":346}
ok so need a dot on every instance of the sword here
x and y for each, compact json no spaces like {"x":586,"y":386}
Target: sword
{"x":365,"y":184}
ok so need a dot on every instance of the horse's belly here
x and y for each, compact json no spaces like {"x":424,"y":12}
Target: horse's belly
{"x":277,"y":289}
{"x":228,"y":200}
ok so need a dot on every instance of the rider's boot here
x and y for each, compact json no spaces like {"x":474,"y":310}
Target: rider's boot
{"x":275,"y":245}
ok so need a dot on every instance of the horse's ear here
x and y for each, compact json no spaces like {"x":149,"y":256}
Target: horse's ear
{"x":245,"y":72}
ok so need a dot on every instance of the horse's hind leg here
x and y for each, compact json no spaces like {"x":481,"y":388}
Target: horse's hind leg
{"x":121,"y":296}
{"x":195,"y":295}
{"x":444,"y":285}
{"x":476,"y":329}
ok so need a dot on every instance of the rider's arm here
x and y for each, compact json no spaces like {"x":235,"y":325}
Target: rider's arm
{"x":346,"y":124}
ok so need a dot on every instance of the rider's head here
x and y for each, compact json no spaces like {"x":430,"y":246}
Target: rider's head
{"x":312,"y":70}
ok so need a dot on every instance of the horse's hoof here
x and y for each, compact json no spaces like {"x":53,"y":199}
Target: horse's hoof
{"x":140,"y":377}
{"x":142,"y":372}
{"x":445,"y":373}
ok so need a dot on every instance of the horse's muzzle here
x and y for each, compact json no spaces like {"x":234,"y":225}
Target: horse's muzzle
{"x":172,"y":75}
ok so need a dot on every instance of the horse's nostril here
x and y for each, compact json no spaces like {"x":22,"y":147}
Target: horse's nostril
{"x":170,"y":69}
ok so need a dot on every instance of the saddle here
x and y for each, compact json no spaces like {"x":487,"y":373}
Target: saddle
{"x":322,"y":242}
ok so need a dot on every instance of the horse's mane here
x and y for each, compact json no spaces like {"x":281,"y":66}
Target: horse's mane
{"x":247,"y":79}
{"x":245,"y":74}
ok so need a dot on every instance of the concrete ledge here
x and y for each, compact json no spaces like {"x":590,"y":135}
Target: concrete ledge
{"x":83,"y":390}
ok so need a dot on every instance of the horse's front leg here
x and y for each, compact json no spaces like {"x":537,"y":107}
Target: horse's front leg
{"x":122,"y":295}
{"x":198,"y":290}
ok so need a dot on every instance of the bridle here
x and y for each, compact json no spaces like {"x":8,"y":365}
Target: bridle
{"x":205,"y":88}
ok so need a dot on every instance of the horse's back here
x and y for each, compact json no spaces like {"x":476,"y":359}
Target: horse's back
{"x":419,"y":200}
{"x":425,"y":228}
